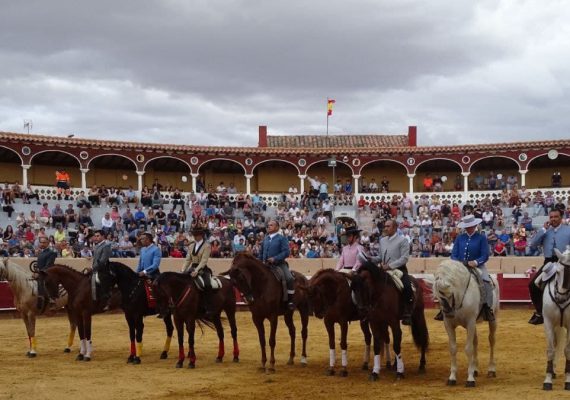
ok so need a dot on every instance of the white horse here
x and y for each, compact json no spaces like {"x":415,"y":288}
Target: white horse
{"x":460,"y":296}
{"x":556,"y":313}
{"x":24,"y":290}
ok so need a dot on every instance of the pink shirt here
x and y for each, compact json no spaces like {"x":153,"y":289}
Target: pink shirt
{"x":349,"y":257}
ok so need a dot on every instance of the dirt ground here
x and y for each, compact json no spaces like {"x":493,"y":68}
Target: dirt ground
{"x":55,"y":375}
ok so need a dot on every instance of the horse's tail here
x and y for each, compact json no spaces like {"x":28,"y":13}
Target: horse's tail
{"x":202,"y":321}
{"x":419,"y":326}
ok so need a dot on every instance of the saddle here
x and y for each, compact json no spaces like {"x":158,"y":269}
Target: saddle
{"x":549,"y":272}
{"x":278,"y":273}
{"x":215,"y":282}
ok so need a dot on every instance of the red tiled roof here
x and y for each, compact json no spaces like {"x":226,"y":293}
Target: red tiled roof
{"x":336,"y":141}
{"x":345,"y":149}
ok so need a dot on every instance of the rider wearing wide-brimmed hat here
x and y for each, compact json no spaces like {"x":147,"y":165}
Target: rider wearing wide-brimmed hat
{"x":349,"y":259}
{"x":472,"y":249}
{"x":196,"y":262}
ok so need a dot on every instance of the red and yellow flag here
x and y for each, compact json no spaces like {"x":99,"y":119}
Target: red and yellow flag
{"x":330,"y":103}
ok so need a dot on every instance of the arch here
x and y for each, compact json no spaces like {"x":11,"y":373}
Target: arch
{"x":542,"y":155}
{"x":13,"y":151}
{"x":171,"y":157}
{"x":277,"y":177}
{"x":384,"y":159}
{"x":326,"y":160}
{"x":398,"y":179}
{"x":221,"y":159}
{"x":277,"y":160}
{"x":55,"y":151}
{"x":168,"y":171}
{"x":493,"y":156}
{"x":10,"y":165}
{"x":112,"y":154}
{"x":438,"y":158}
{"x":441,"y":168}
{"x":541,"y":169}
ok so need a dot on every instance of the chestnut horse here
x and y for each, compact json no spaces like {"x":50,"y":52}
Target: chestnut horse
{"x":380,"y":301}
{"x":135,"y":304}
{"x":331,"y":299}
{"x":187,"y":304}
{"x":264,"y":295}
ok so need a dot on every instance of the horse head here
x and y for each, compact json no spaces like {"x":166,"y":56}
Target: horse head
{"x":563,"y":270}
{"x":241,"y":276}
{"x":322,"y":291}
{"x":51,"y":283}
{"x":362,"y":292}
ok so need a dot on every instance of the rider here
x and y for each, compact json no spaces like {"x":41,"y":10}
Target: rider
{"x":348,"y":259}
{"x":472,"y":248}
{"x":274,"y":251}
{"x":552,"y":235}
{"x":196,"y":263}
{"x":150,"y":256}
{"x":46,"y":259}
{"x":100,"y":263}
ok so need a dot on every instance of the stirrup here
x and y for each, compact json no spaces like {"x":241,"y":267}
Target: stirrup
{"x":439,"y":316}
{"x":291,"y":305}
{"x":488,"y":314}
{"x":407,"y":319}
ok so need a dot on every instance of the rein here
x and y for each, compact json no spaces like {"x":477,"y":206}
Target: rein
{"x":563,"y":297}
{"x":184,"y":296}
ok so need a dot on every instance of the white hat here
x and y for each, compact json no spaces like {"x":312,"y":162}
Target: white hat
{"x":469,"y":221}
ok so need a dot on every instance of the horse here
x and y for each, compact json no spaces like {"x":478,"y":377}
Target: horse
{"x":264,"y":295}
{"x":25,"y":290}
{"x":80,"y":303}
{"x":331,"y":300}
{"x":186,"y":301}
{"x":556,"y":313}
{"x":135,"y":305}
{"x":457,"y":289}
{"x":380,"y":301}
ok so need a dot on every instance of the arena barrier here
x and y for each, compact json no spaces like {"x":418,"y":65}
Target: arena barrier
{"x":510,"y":272}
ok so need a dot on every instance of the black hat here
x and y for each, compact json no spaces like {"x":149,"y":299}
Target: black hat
{"x":352,"y":230}
{"x":198,"y":230}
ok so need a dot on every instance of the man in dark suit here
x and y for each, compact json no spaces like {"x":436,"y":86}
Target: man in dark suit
{"x":274,"y":251}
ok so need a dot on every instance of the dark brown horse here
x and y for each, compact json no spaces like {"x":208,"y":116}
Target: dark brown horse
{"x":264,"y":295}
{"x":380,"y":301}
{"x":331,"y":299}
{"x":187,"y":304}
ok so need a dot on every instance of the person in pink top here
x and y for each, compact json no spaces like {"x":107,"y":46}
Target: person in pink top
{"x":349,"y":260}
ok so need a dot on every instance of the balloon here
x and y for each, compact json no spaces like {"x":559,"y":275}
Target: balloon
{"x":499,"y":176}
{"x":184,"y":178}
{"x":444,"y":178}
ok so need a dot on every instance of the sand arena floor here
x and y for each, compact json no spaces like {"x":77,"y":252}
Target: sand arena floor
{"x":55,"y":375}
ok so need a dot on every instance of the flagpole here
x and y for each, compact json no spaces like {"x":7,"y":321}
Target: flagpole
{"x":327,"y":141}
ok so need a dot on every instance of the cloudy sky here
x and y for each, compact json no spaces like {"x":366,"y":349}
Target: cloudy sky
{"x":210,"y":71}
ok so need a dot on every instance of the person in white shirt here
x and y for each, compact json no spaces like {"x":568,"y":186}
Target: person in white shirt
{"x":293,"y":189}
{"x":239,"y":236}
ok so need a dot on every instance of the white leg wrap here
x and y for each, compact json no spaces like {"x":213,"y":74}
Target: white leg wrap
{"x":332,"y":357}
{"x":82,"y":347}
{"x":89,"y":348}
{"x":376,"y":368}
{"x":366,"y":357}
{"x":399,"y":364}
{"x":344,"y":358}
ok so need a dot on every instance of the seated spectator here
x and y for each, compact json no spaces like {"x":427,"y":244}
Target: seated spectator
{"x":28,"y":194}
{"x":160,"y":217}
{"x":107,"y":224}
{"x":362,"y":203}
{"x":526,"y":222}
{"x":128,"y":217}
{"x":500,"y":250}
{"x":59,"y":235}
{"x":172,"y":219}
{"x":177,"y":199}
{"x":131,"y":196}
{"x":428,"y":183}
{"x":93,"y":196}
{"x":520,"y":245}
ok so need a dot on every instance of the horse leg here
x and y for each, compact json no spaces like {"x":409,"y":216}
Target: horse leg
{"x":367,"y":340}
{"x":304,"y":311}
{"x":81,"y":331}
{"x":29,"y":321}
{"x":139,"y":330}
{"x":550,"y":333}
{"x":476,"y":354}
{"x":492,"y":370}
{"x":385,"y":351}
{"x":72,"y":328}
{"x":329,"y":325}
{"x":567,"y":356}
{"x":191,"y":327}
{"x":451,"y":334}
{"x":397,"y":336}
{"x":179,"y":323}
{"x":470,"y":342}
{"x":344,"y":348}
{"x":291,"y":327}
{"x":231,"y":315}
{"x":88,"y":342}
{"x":220,"y":331}
{"x":272,"y":333}
{"x":133,"y":353}
{"x":169,"y":331}
{"x":377,"y":337}
{"x":261,"y":333}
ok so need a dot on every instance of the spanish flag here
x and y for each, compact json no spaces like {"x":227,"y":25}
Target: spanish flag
{"x":330,"y":103}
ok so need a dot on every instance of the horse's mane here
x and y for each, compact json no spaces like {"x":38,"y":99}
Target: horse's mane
{"x":16,"y":274}
{"x":67,"y":267}
{"x":123,"y":267}
{"x":452,"y":271}
{"x":375,"y":272}
{"x":246,"y":256}
{"x":323,"y":274}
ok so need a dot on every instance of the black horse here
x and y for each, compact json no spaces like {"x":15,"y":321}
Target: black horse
{"x":136,"y":306}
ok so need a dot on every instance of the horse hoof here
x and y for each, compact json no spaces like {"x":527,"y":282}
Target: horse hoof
{"x":475,"y":374}
{"x":32,"y":355}
{"x":67,"y":350}
{"x":388,"y":365}
{"x":191,"y":365}
{"x":394,"y":366}
{"x":422,"y":369}
{"x":451,"y":382}
{"x":179,"y":364}
{"x":365,"y":366}
{"x":130,"y":359}
{"x":373,"y":377}
{"x":86,"y":358}
{"x":343,"y":373}
{"x":163,"y":355}
{"x":219,"y":360}
{"x":470,"y":384}
{"x":236,"y":359}
{"x":290,"y":362}
{"x":547,"y":386}
{"x":400,"y":376}
{"x":491,"y":374}
{"x":567,"y":386}
{"x":270,"y":370}
{"x":329,"y":372}
{"x":79,"y":357}
{"x":554,"y":375}
{"x":136,"y":361}
{"x":262,"y":369}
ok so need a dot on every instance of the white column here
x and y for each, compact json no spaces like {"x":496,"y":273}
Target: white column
{"x":523,"y":176}
{"x":465,"y":182}
{"x":411,"y":183}
{"x":140,"y":183}
{"x":84,"y":172}
{"x":194,"y":177}
{"x":248,"y":183}
{"x":356,"y":184}
{"x":302,"y":183}
{"x":25,"y":169}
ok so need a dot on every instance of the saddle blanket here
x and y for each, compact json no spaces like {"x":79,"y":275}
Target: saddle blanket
{"x":151,"y":300}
